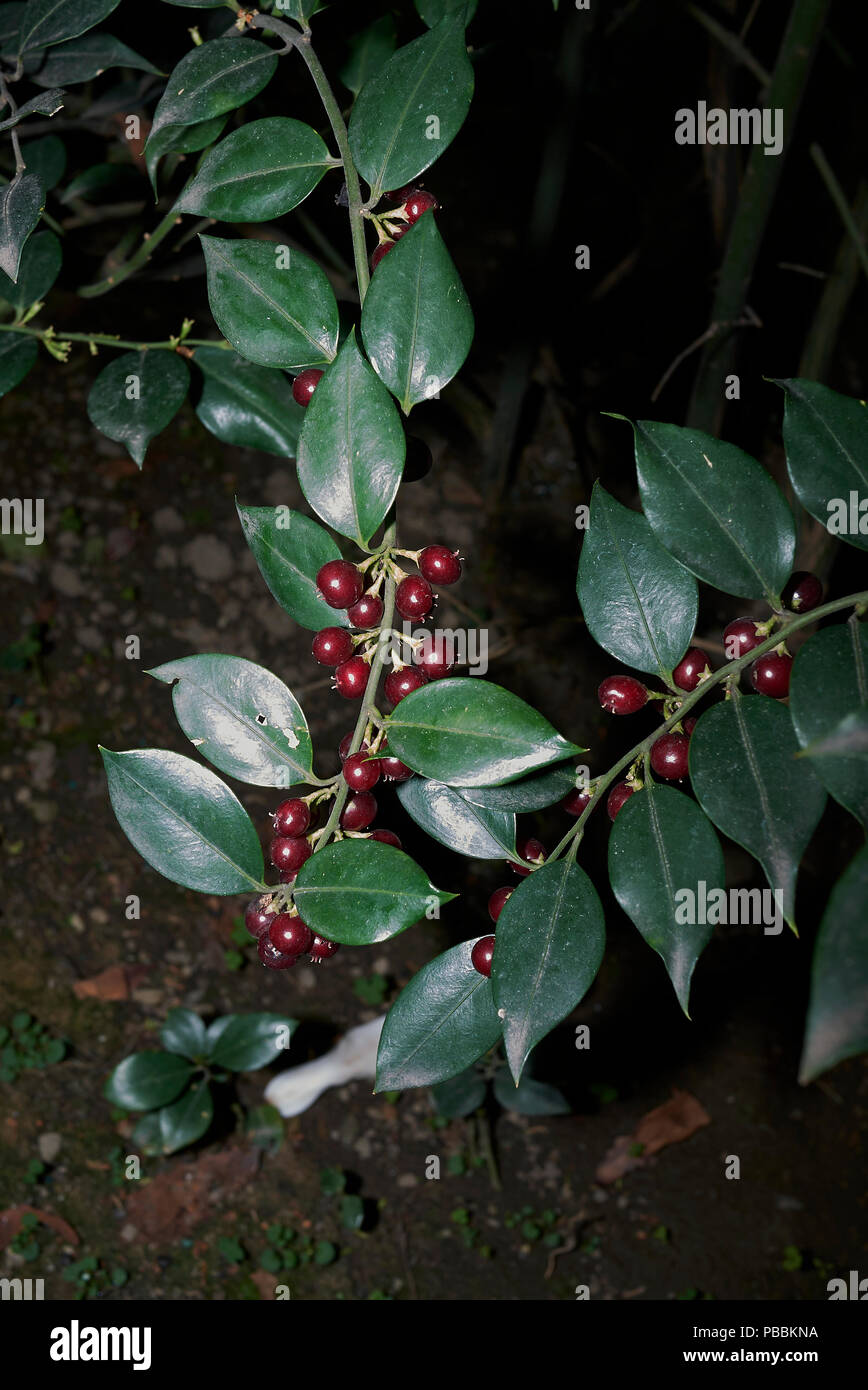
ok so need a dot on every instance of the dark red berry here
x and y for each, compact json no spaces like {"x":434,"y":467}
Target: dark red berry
{"x":256,"y":918}
{"x":621,"y":792}
{"x":531,"y":851}
{"x":271,"y":957}
{"x":575,"y":802}
{"x":290,"y":935}
{"x":288,"y":875}
{"x":400,"y":683}
{"x":289,"y":854}
{"x":387,"y":837}
{"x":305,"y":384}
{"x":691,"y":669}
{"x":361,"y":772}
{"x":433,"y":658}
{"x":379,"y":252}
{"x":345,"y":745}
{"x":418,"y":203}
{"x":440,"y":565}
{"x":803,"y":592}
{"x":332,"y":646}
{"x":340,"y":583}
{"x":497,"y":902}
{"x":740,"y":637}
{"x":351,"y":678}
{"x":292,"y":818}
{"x":400,"y":195}
{"x":413,"y":598}
{"x":622,"y":694}
{"x":771,"y":675}
{"x":392,"y":769}
{"x":482,"y":954}
{"x":359,"y":811}
{"x":669,"y":756}
{"x":419,"y":460}
{"x":321,"y":949}
{"x":368,"y":612}
{"x":688,"y":725}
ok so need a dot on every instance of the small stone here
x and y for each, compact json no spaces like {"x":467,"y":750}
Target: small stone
{"x":49,"y":1147}
{"x":408,"y":1180}
{"x":129,"y":1232}
{"x":166,"y":558}
{"x":209,"y":558}
{"x":167,"y":522}
{"x":66,"y":580}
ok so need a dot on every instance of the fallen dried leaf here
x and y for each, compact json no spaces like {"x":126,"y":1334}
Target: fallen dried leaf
{"x":677,"y":1119}
{"x":10,"y":1224}
{"x":180,"y":1198}
{"x":115,"y":982}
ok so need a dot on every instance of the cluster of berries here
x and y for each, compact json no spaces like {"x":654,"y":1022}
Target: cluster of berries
{"x":413,"y":202}
{"x":533,"y":852}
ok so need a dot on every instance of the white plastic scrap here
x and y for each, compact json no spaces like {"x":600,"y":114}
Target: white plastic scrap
{"x":354,"y":1058}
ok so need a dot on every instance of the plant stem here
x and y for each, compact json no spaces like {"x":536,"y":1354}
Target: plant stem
{"x":141,"y":257}
{"x":836,"y":193}
{"x":106,"y":339}
{"x":729,"y":672}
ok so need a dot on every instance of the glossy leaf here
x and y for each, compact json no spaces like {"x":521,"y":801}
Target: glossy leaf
{"x":18,"y":353}
{"x":39,"y":268}
{"x":290,"y":550}
{"x":359,"y":892}
{"x":459,"y":1096}
{"x":210,"y":80}
{"x":748,"y":783}
{"x":275,"y":306}
{"x":47,"y":22}
{"x":432,"y":11}
{"x":369,"y":50}
{"x":45,"y":104}
{"x":548,"y":948}
{"x":826,"y":442}
{"x":136,"y":396}
{"x":258,"y":172}
{"x":716,"y":509}
{"x":664,"y":861}
{"x":446,"y":816}
{"x":417,"y":324}
{"x":103,"y":181}
{"x":182,"y":139}
{"x":847,"y":739}
{"x":145,"y":1080}
{"x":21,"y":203}
{"x":441,"y":1023}
{"x":241,"y":718}
{"x":184,"y":821}
{"x":45,"y":157}
{"x":87,"y":57}
{"x":186,"y":1120}
{"x":830,"y":682}
{"x":529,"y":1097}
{"x":300,"y":10}
{"x":639,"y":604}
{"x":392,"y":137}
{"x":184,"y":1033}
{"x":351,"y":448}
{"x":532,"y":793}
{"x":247,"y":405}
{"x":247,"y":1042}
{"x":470,"y":733}
{"x":837,"y":1021}
{"x":11,"y":15}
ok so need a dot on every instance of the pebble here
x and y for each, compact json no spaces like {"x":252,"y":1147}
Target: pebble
{"x":49,"y":1147}
{"x":167,"y":522}
{"x":209,"y":558}
{"x":66,"y":580}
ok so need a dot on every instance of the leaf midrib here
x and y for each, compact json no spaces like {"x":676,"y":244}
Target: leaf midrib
{"x":258,"y":290}
{"x":251,"y":724}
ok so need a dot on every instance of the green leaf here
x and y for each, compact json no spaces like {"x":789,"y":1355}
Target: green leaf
{"x":85,"y":58}
{"x":446,"y":816}
{"x":21,"y":203}
{"x":240,"y":717}
{"x":45,"y":157}
{"x":369,"y":50}
{"x":549,"y":946}
{"x":183,"y":139}
{"x":826,"y":442}
{"x":184,"y":821}
{"x":664,"y":860}
{"x":11,"y":15}
{"x":250,"y":1041}
{"x":325,"y":1253}
{"x":442,"y":1022}
{"x":264,"y":1128}
{"x":847,"y":739}
{"x":360,"y":892}
{"x":747,"y":782}
{"x":247,"y":405}
{"x":45,"y":104}
{"x":47,"y":22}
{"x":187,"y":1119}
{"x":532,"y":793}
{"x":470,"y":733}
{"x":332,"y":1181}
{"x":639,"y":604}
{"x":184,"y":1032}
{"x":417,"y":324}
{"x":212,"y":79}
{"x":275,"y":306}
{"x":529,"y":1097}
{"x":432,"y":11}
{"x":716,"y":509}
{"x":290,"y":549}
{"x":460,"y":1095}
{"x":258,"y":172}
{"x":352,"y":1212}
{"x":830,"y":682}
{"x":837,"y":1022}
{"x":18,"y":353}
{"x":136,"y":396}
{"x":392,"y":138}
{"x":351,"y":448}
{"x":39,"y":268}
{"x":102,"y":180}
{"x":146,"y":1080}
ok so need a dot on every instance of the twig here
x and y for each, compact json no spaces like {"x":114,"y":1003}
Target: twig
{"x":748,"y":320}
{"x":836,"y":193}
